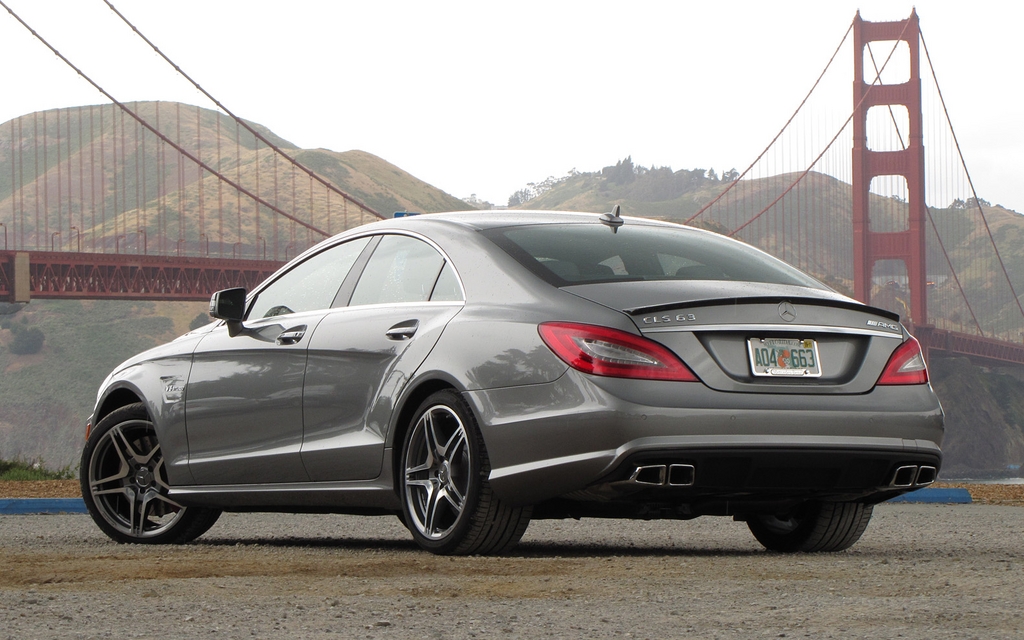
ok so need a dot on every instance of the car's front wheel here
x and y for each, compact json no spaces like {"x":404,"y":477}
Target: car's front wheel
{"x":449,"y":506}
{"x":814,"y":526}
{"x":124,"y":483}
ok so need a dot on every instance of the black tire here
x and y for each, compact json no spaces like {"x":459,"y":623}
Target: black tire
{"x":815,"y":526}
{"x":447,"y":500}
{"x":124,"y":484}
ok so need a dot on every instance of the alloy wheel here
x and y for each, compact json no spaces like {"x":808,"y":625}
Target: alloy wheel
{"x":128,"y":483}
{"x":437,"y":472}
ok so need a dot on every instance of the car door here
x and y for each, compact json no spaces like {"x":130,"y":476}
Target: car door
{"x":243,"y":402}
{"x":362,"y":355}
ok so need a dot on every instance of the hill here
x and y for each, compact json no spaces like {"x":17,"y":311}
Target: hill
{"x":46,"y":396}
{"x":820,"y":207}
{"x":96,"y":169}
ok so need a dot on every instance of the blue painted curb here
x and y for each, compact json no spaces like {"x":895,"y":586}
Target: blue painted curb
{"x":936,"y":496}
{"x":22,"y":506}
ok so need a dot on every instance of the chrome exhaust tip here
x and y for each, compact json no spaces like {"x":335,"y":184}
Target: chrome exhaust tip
{"x":651,"y":475}
{"x":926,"y":475}
{"x":904,"y":476}
{"x":681,"y":475}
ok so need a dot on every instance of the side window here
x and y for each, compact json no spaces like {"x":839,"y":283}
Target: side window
{"x":309,"y":285}
{"x":401,"y":269}
{"x":447,"y":288}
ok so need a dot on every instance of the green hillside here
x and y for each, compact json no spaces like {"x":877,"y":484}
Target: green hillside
{"x":95,"y":168}
{"x":46,"y":397}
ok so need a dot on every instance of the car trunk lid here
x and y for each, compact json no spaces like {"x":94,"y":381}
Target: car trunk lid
{"x":731,"y":334}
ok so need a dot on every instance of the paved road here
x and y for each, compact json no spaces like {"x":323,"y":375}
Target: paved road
{"x":920,"y":571}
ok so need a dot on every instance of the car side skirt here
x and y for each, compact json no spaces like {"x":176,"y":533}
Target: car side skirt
{"x":359,"y":497}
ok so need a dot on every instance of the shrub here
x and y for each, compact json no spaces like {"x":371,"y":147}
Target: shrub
{"x":20,"y":470}
{"x":201,"y":320}
{"x":26,"y":341}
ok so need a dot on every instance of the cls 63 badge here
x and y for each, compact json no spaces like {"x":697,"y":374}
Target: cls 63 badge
{"x":678,"y":317}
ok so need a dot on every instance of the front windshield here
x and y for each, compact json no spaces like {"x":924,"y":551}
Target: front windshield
{"x":581,"y":253}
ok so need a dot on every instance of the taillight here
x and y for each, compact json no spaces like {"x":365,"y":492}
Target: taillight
{"x":906,"y":365}
{"x":602,"y":351}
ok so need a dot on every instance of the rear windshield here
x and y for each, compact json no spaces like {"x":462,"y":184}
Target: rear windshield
{"x":579,"y":253}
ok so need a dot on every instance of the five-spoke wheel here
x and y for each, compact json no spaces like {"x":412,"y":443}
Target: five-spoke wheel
{"x":438,"y":472}
{"x":449,"y":506}
{"x":124,"y":483}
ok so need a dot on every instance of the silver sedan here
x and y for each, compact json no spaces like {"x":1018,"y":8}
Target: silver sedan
{"x":471,"y":371}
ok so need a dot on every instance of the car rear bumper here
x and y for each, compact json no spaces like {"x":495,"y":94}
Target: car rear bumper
{"x":579,"y":435}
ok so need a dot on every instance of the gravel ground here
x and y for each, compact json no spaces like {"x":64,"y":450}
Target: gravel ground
{"x":920,"y":571}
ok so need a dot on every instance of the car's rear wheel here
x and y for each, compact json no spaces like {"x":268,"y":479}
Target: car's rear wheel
{"x":814,"y":526}
{"x":124,"y":484}
{"x":449,"y":506}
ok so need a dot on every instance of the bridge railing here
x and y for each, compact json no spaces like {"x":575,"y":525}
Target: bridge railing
{"x":49,"y":275}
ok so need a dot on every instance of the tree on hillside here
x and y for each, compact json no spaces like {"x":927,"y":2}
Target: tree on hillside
{"x":200,"y":320}
{"x":535,"y":190}
{"x":26,"y":341}
{"x":622,"y":173}
{"x":520,"y":197}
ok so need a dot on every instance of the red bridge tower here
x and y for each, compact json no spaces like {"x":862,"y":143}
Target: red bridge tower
{"x":908,"y":245}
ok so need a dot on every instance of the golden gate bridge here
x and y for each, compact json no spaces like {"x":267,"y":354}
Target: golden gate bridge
{"x":151,"y":200}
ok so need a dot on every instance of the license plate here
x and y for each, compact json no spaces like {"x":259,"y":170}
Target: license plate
{"x":784,"y":357}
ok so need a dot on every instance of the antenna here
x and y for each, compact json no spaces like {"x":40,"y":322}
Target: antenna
{"x":613,"y":219}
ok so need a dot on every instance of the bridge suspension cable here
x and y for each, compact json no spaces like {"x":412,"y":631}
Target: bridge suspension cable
{"x":779,"y":134}
{"x":974,"y":192}
{"x":312,"y":174}
{"x":124,"y":108}
{"x":806,"y":171}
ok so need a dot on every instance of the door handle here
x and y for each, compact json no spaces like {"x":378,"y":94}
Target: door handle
{"x":291,"y":336}
{"x":403,"y":330}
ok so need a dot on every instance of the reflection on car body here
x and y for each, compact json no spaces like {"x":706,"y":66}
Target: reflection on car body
{"x":472,"y":371}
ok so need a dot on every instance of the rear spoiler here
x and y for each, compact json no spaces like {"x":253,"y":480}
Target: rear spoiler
{"x":716,"y":302}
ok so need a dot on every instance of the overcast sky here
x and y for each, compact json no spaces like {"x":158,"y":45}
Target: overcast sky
{"x":484,"y":97}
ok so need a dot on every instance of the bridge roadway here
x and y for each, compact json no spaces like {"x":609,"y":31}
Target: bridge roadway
{"x":66,"y":275}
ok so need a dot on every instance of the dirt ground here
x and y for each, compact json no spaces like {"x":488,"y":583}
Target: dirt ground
{"x":40,"y":489}
{"x":920,"y":571}
{"x":1003,"y":494}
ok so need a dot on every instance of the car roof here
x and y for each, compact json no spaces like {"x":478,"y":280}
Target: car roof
{"x":505,"y":218}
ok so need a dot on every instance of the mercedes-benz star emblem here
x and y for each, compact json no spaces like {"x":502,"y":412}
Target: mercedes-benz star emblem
{"x":787,"y":311}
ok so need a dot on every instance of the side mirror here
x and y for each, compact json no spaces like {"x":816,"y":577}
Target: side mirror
{"x":229,"y":305}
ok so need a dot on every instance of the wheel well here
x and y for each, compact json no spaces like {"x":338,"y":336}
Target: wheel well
{"x":117,"y":399}
{"x":409,"y":406}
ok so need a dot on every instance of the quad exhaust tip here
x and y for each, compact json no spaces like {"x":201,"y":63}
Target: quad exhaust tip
{"x":662,"y":475}
{"x":926,"y":475}
{"x":914,"y":476}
